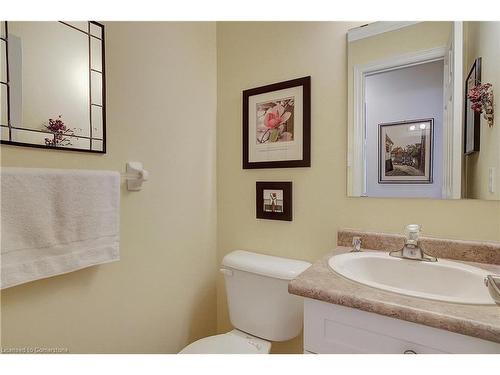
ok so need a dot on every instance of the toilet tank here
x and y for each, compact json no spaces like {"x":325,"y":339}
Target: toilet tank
{"x":257,"y":294}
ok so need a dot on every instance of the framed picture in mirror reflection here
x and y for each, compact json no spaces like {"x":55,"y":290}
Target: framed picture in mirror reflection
{"x":405,"y":152}
{"x":472,"y":119}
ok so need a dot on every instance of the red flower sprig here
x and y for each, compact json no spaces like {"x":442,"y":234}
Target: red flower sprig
{"x":477,"y":96}
{"x":481,"y":97}
{"x":60,"y":131}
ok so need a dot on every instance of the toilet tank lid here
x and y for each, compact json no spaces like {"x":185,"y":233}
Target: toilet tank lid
{"x":265,"y":265}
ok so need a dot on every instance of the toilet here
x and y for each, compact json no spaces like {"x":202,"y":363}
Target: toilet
{"x":260,"y":307}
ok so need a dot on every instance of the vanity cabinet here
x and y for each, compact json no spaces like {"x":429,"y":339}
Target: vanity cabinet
{"x":336,"y":329}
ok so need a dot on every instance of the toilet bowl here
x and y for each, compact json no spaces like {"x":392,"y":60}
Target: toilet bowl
{"x":260,"y":307}
{"x":234,"y":342}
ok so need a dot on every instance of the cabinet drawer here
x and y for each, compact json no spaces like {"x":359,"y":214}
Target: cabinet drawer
{"x":330,"y":328}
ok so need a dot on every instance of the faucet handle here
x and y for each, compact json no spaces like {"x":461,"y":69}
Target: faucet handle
{"x":412,"y":234}
{"x":356,"y":244}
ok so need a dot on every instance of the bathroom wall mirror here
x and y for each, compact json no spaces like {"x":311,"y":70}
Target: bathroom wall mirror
{"x":412,"y":130}
{"x":52,"y":86}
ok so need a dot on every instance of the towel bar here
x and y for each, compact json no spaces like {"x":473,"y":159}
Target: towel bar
{"x":135,"y":175}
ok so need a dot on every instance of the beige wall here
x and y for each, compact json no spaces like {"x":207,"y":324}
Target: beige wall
{"x":482,"y":39}
{"x":254,"y":54}
{"x":417,"y":37}
{"x":161,"y":93}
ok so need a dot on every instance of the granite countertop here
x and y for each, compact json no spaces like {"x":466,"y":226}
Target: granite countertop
{"x":320,"y":282}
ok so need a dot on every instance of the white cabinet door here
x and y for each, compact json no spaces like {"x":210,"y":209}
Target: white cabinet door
{"x":335,"y":329}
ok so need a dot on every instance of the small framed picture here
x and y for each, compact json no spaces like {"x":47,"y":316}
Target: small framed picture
{"x":277,"y":125}
{"x":274,"y":200}
{"x":472,"y":119}
{"x":405,"y":152}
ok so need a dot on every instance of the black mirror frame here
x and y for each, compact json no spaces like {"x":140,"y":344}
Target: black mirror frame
{"x":102,"y":105}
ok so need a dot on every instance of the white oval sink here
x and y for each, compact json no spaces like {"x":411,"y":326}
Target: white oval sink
{"x":442,"y":280}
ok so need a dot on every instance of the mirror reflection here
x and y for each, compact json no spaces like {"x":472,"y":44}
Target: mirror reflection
{"x":52,"y":85}
{"x":482,"y":58}
{"x":419,"y":120}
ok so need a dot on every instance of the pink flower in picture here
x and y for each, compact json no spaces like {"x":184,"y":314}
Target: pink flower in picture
{"x":275,"y":121}
{"x":276,"y":116}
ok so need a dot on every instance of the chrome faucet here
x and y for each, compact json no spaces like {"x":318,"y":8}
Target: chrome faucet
{"x":411,"y":248}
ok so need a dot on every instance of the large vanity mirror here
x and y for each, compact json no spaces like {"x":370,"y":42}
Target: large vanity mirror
{"x":421,"y":120}
{"x":52,"y":85}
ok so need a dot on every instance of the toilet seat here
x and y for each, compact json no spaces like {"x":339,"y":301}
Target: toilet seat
{"x":234,"y":342}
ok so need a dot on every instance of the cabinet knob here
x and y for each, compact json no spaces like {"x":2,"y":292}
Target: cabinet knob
{"x":409,"y":352}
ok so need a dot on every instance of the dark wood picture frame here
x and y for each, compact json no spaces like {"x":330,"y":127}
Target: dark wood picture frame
{"x":381,"y":143}
{"x":475,"y":126}
{"x":305,"y":161}
{"x":286,"y":213}
{"x":102,"y":105}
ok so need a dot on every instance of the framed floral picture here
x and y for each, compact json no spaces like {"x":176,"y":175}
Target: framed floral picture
{"x":277,"y":125}
{"x":274,"y":200}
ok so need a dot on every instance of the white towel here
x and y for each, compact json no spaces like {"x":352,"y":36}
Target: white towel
{"x":56,"y":221}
